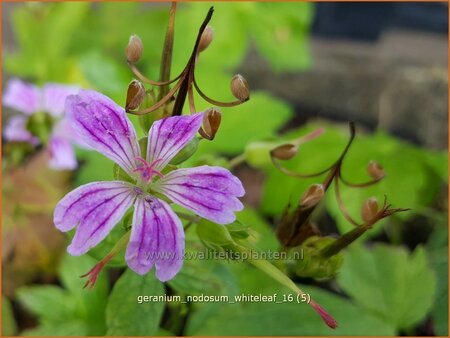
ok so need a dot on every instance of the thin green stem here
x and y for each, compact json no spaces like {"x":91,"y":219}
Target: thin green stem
{"x":215,"y":102}
{"x":343,"y":241}
{"x":235,"y":161}
{"x":188,"y":217}
{"x":166,"y":60}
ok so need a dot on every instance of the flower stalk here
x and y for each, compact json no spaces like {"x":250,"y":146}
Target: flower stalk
{"x":293,"y":227}
{"x":166,"y":59}
{"x":185,"y":82}
{"x":280,"y":277}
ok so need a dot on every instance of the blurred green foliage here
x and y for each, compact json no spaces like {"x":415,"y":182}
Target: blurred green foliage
{"x":438,"y":254}
{"x":68,"y":310}
{"x":125,"y":316}
{"x":9,"y":326}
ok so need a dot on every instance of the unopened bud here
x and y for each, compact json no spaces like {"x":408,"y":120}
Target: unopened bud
{"x":326,"y":317}
{"x":185,"y":153}
{"x":375,"y":170}
{"x":205,"y":40}
{"x":369,"y":209}
{"x":284,"y":152}
{"x":211,"y":122}
{"x":134,"y":48}
{"x":239,"y":88}
{"x":135,"y":95}
{"x":312,"y":196}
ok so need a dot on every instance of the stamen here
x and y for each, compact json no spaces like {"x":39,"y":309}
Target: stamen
{"x":147,"y":170}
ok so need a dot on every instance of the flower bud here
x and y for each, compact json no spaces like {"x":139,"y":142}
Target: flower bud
{"x":316,"y":266}
{"x":213,"y":235}
{"x":135,"y":95}
{"x":312,"y":196}
{"x":239,"y":88}
{"x":375,"y":170}
{"x":134,"y":48}
{"x":326,"y":317}
{"x":185,"y":153}
{"x":238,"y":230}
{"x":205,"y":40}
{"x":284,"y":152}
{"x":211,"y":122}
{"x":369,"y":209}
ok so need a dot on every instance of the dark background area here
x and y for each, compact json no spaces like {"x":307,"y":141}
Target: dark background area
{"x":344,"y":20}
{"x":382,"y":65}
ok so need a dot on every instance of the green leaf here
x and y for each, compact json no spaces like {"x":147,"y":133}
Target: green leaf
{"x":39,"y":299}
{"x":214,"y":236}
{"x":61,"y":25}
{"x":72,"y":267}
{"x":64,"y":328}
{"x":29,"y":32}
{"x":44,"y":33}
{"x":438,"y":249}
{"x":9,"y":327}
{"x":438,"y":161}
{"x":264,"y":113}
{"x":397,"y":287}
{"x":261,"y":233}
{"x":105,"y":75}
{"x":124,"y":315}
{"x":204,"y":277}
{"x":80,"y":311}
{"x":229,"y":38}
{"x":94,"y":167}
{"x":286,"y":319}
{"x":89,"y":304}
{"x":282,"y":36}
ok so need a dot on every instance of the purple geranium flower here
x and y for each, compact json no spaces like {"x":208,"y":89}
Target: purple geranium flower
{"x":157,"y":235}
{"x":29,"y":99}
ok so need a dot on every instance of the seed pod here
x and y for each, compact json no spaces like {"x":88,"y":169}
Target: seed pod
{"x":375,"y":170}
{"x":205,"y":40}
{"x":369,"y":209}
{"x":312,"y":196}
{"x":239,"y":88}
{"x":284,"y":152}
{"x":134,"y":49}
{"x":211,"y":122}
{"x":135,"y":95}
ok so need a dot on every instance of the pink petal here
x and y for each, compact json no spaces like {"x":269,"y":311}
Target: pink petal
{"x":15,"y":130}
{"x":168,"y":136}
{"x":62,"y":155}
{"x":211,"y":192}
{"x":104,"y":126}
{"x":96,"y":208}
{"x":22,"y":96}
{"x":157,"y":237}
{"x":54,"y":97}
